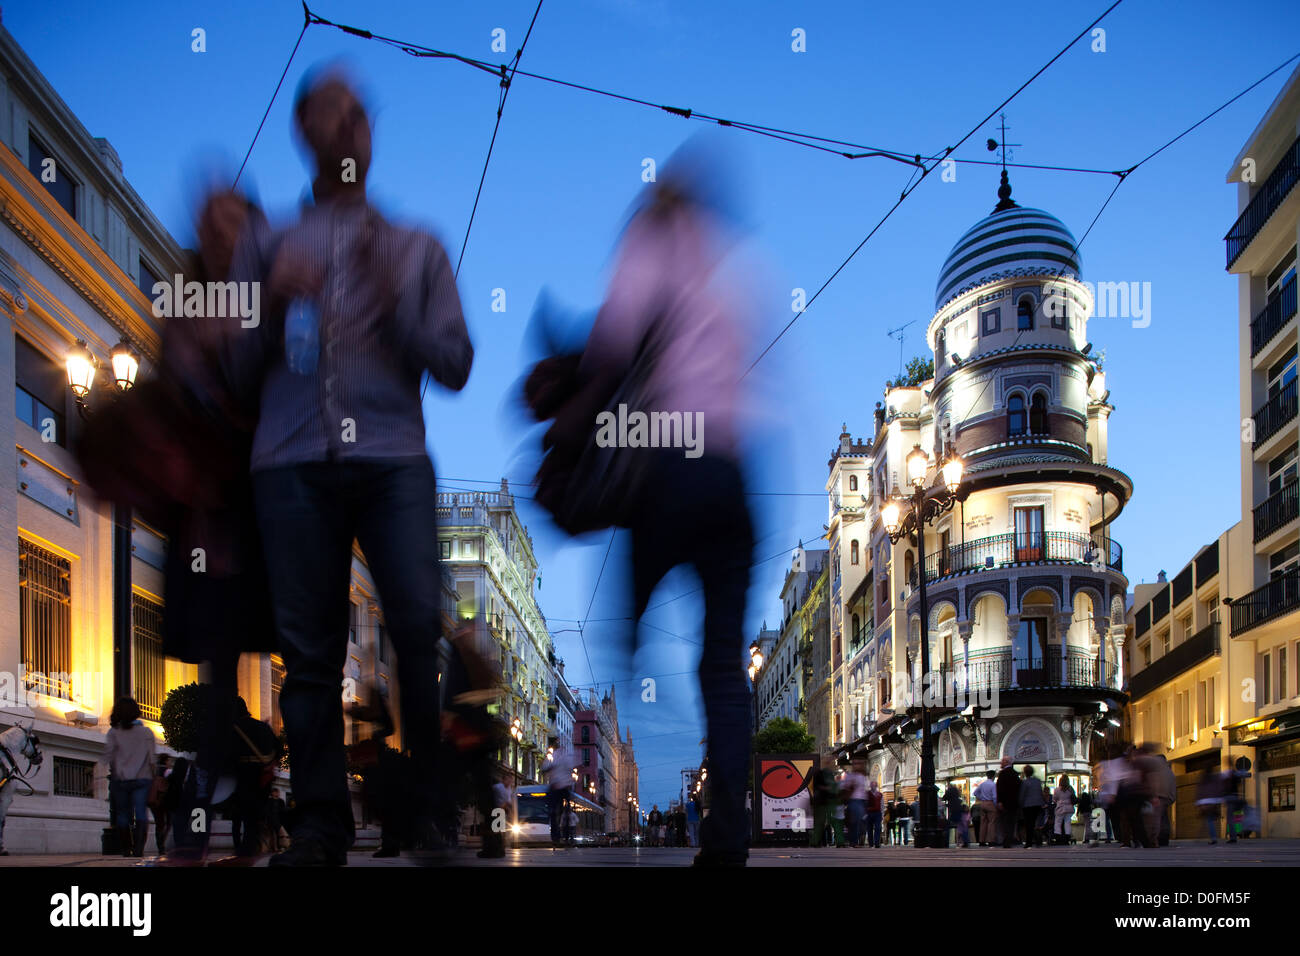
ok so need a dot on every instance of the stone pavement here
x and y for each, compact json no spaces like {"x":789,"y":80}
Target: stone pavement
{"x":1245,"y":853}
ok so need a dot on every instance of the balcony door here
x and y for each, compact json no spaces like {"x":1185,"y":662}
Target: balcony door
{"x":1030,"y":652}
{"x":1029,"y":534}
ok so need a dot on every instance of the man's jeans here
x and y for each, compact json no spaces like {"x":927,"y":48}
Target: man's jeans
{"x":873,"y":827}
{"x":857,"y":814}
{"x":309,"y":516}
{"x":696,"y":514}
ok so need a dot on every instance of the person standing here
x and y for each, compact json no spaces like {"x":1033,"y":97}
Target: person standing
{"x":1209,"y":801}
{"x":130,"y":757}
{"x":952,"y":798}
{"x":654,"y":822}
{"x":358,"y":310}
{"x":1031,"y":806}
{"x":874,"y":803}
{"x":157,"y":797}
{"x":1085,"y":807}
{"x":693,"y":821}
{"x":275,"y":819}
{"x":1167,"y":792}
{"x":986,"y":798}
{"x":1063,"y":801}
{"x":1008,"y":802}
{"x":855,"y":791}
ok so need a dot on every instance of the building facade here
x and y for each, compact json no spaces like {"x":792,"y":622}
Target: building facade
{"x":782,"y":680}
{"x":850,"y":552}
{"x":1025,"y":584}
{"x":489,"y":554}
{"x":1184,"y":672}
{"x":1264,"y":615}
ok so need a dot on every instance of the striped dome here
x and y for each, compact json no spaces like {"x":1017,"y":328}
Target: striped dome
{"x":1016,"y":240}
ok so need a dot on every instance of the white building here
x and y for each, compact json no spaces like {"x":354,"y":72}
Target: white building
{"x":490,"y":555}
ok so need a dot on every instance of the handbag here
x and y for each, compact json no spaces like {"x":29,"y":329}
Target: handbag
{"x":603,"y":486}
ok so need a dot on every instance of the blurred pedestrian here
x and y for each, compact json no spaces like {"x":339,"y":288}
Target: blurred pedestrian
{"x":358,"y":309}
{"x":1209,"y":800}
{"x":1166,"y":791}
{"x":854,"y":786}
{"x":668,"y":343}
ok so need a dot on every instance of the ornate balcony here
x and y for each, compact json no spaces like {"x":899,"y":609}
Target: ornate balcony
{"x":1269,"y":196}
{"x":1007,"y":550}
{"x":998,"y":670}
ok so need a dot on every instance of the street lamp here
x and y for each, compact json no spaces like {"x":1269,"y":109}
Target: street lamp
{"x":755,"y":665}
{"x":926,"y":505}
{"x":82,"y":368}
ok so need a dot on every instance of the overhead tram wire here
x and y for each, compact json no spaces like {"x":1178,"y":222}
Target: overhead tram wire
{"x":807,"y":140}
{"x":1171,"y":142}
{"x":506,"y":82}
{"x":307,"y":21}
{"x":912,"y":187}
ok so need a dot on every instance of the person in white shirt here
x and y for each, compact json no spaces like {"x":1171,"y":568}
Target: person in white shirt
{"x":130,"y":757}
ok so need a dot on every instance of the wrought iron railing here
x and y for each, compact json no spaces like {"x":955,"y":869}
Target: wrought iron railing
{"x":1001,"y":671}
{"x":1273,"y":317}
{"x":1276,"y":412}
{"x":1277,"y":510}
{"x":1269,"y":196}
{"x":1001,"y":550}
{"x":1277,"y":597}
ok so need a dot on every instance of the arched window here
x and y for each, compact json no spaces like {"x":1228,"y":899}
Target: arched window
{"x":853,"y":552}
{"x":1025,"y":314}
{"x":1038,"y":414}
{"x":586,"y":735}
{"x":1015,"y":415}
{"x":853,"y":482}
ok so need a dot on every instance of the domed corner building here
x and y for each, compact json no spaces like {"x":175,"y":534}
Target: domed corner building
{"x":1025,"y":585}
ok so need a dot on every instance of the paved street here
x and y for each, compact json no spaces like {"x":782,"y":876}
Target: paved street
{"x":1182,"y":853}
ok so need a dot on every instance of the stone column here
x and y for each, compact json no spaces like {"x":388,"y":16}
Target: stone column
{"x":1064,"y":620}
{"x":1013,"y":628}
{"x":964,"y":632}
{"x":1117,"y":635}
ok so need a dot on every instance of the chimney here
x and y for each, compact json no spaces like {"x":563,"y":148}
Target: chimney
{"x":880,"y":416}
{"x":1161,"y":579}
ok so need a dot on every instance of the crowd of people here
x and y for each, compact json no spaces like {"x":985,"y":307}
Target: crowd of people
{"x":293,"y":434}
{"x":1014,"y":807}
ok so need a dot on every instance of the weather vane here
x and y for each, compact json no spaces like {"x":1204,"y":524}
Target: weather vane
{"x":1003,"y":144}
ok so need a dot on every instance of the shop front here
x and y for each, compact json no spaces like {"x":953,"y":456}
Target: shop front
{"x":1272,"y":783}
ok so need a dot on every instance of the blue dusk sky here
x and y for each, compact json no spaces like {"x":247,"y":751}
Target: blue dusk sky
{"x":567,"y":164}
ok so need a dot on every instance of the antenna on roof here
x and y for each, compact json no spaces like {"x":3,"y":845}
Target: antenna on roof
{"x":901,"y":335}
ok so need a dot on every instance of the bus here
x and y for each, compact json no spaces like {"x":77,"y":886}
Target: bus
{"x":532,"y":819}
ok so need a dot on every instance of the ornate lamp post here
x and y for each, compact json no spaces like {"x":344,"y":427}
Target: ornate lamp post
{"x":755,"y":665}
{"x":517,"y":733}
{"x":82,"y":370}
{"x":927,"y":504}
